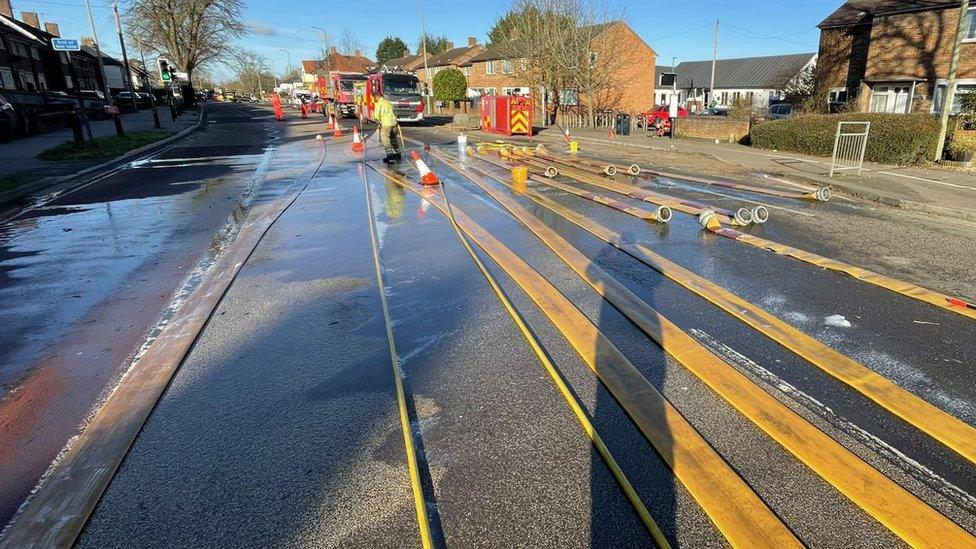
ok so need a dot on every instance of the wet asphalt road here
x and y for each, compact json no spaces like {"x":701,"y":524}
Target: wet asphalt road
{"x":281,"y":426}
{"x":85,"y":276}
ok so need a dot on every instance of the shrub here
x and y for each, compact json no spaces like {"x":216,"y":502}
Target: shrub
{"x":903,"y":139}
{"x":450,"y":85}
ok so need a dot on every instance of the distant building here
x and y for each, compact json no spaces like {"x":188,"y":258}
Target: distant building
{"x":494,"y":71}
{"x":312,"y":69}
{"x":452,"y":58}
{"x":893,"y":55}
{"x":756,"y":80}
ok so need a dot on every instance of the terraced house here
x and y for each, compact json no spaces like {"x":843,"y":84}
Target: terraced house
{"x":452,"y":58}
{"x":893,"y":56}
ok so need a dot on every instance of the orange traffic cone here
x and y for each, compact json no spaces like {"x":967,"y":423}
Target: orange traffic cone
{"x":336,"y":128}
{"x":427,"y":177}
{"x":357,"y":141}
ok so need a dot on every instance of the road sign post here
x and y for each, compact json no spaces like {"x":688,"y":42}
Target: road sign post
{"x":68,"y":45}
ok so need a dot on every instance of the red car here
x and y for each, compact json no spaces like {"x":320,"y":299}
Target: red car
{"x":661,"y":112}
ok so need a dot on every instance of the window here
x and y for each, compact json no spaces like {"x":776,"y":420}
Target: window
{"x":35,"y":53}
{"x":67,"y":82}
{"x":750,"y":96}
{"x":725,"y":98}
{"x":593,"y":57}
{"x":568,"y":97}
{"x":736,"y":96}
{"x":41,"y":81}
{"x":837,"y":95}
{"x":507,"y":66}
{"x":467,"y":71}
{"x":664,"y":99}
{"x":515,"y":91}
{"x":490,"y":67}
{"x":27,"y":80}
{"x":964,"y":86}
{"x":17,"y":48}
{"x":2,"y":47}
{"x":7,"y":78}
{"x":891,"y":99}
{"x":970,"y":29}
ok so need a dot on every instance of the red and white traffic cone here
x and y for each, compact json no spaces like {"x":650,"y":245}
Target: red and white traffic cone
{"x":357,"y":141}
{"x":336,"y":128}
{"x":427,"y":177}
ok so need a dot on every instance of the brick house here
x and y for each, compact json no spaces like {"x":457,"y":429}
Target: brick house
{"x":312,"y":69}
{"x":494,"y":72}
{"x":451,"y":58}
{"x":893,"y":55}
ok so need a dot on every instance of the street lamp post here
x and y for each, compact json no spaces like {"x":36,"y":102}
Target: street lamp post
{"x":950,"y":92}
{"x":326,"y":54}
{"x":125,"y":58}
{"x":288,"y":53}
{"x":423,"y":45}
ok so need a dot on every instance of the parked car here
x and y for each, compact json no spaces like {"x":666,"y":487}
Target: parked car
{"x":8,"y":119}
{"x":661,"y":112}
{"x":93,"y":94}
{"x":714,"y":111}
{"x":778,"y":112}
{"x":143,"y":100}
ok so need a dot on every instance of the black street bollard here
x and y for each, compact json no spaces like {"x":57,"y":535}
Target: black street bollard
{"x":76,"y":130}
{"x":118,"y":125}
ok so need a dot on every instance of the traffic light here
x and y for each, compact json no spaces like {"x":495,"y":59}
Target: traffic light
{"x":165,"y":72}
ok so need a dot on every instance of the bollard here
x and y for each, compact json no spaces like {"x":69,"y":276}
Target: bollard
{"x":118,"y":125}
{"x":462,"y":140}
{"x":573,"y":147}
{"x":76,"y":131}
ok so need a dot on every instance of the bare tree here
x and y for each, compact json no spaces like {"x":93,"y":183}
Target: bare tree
{"x":566,"y":51}
{"x":349,"y":43}
{"x":191,"y":33}
{"x":252,"y":70}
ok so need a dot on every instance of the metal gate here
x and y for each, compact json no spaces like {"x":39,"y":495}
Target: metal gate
{"x":850,"y":142}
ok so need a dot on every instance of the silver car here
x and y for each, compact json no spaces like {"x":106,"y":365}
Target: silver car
{"x":778,"y":112}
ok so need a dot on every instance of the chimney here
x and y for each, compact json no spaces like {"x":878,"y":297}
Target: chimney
{"x":333,"y":50}
{"x":6,"y":9}
{"x":472,"y":41}
{"x":450,"y":45}
{"x":51,"y":28}
{"x":30,"y":18}
{"x":359,"y":53}
{"x":88,"y":41}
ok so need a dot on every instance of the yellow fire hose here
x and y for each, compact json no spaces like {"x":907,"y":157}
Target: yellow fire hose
{"x":729,"y":502}
{"x":899,"y":510}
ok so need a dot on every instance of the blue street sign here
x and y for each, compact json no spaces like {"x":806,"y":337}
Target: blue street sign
{"x":65,"y":44}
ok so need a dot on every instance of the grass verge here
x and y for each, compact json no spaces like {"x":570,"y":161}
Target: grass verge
{"x":12,"y":181}
{"x":106,"y":147}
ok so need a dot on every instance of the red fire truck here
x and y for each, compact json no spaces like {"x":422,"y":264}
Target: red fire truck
{"x":341,"y":91}
{"x":400,"y":88}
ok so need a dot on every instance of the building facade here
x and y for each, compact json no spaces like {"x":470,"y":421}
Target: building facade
{"x":312,"y":69}
{"x":630,"y":62}
{"x":893,"y":56}
{"x":748,"y":81}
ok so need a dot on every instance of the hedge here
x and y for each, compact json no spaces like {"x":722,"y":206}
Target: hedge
{"x":902,"y":139}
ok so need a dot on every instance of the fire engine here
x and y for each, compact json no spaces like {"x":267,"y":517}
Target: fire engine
{"x":342,"y":91}
{"x":401,"y":88}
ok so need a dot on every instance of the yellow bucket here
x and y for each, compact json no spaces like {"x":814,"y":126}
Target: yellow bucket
{"x":573,"y":147}
{"x":520,"y":175}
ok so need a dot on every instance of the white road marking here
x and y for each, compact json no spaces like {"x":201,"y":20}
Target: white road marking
{"x":930,"y":478}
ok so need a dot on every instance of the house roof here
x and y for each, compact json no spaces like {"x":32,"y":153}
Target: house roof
{"x":339,"y":62}
{"x":451,"y":56}
{"x":494,"y":53}
{"x":407,"y":61}
{"x":856,"y":12}
{"x":106,"y":59}
{"x":24,"y":30}
{"x":746,"y":73}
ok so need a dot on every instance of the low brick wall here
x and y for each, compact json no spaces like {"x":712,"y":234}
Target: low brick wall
{"x":714,"y":127}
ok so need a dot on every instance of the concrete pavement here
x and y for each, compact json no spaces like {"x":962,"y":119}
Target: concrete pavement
{"x":20,"y":155}
{"x":936,"y":190}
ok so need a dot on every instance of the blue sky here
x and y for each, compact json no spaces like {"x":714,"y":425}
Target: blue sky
{"x":749,"y":27}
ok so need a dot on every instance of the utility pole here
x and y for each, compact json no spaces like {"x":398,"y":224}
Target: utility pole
{"x":950,"y":93}
{"x":125,"y":58}
{"x":711,"y":86}
{"x":423,"y":45}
